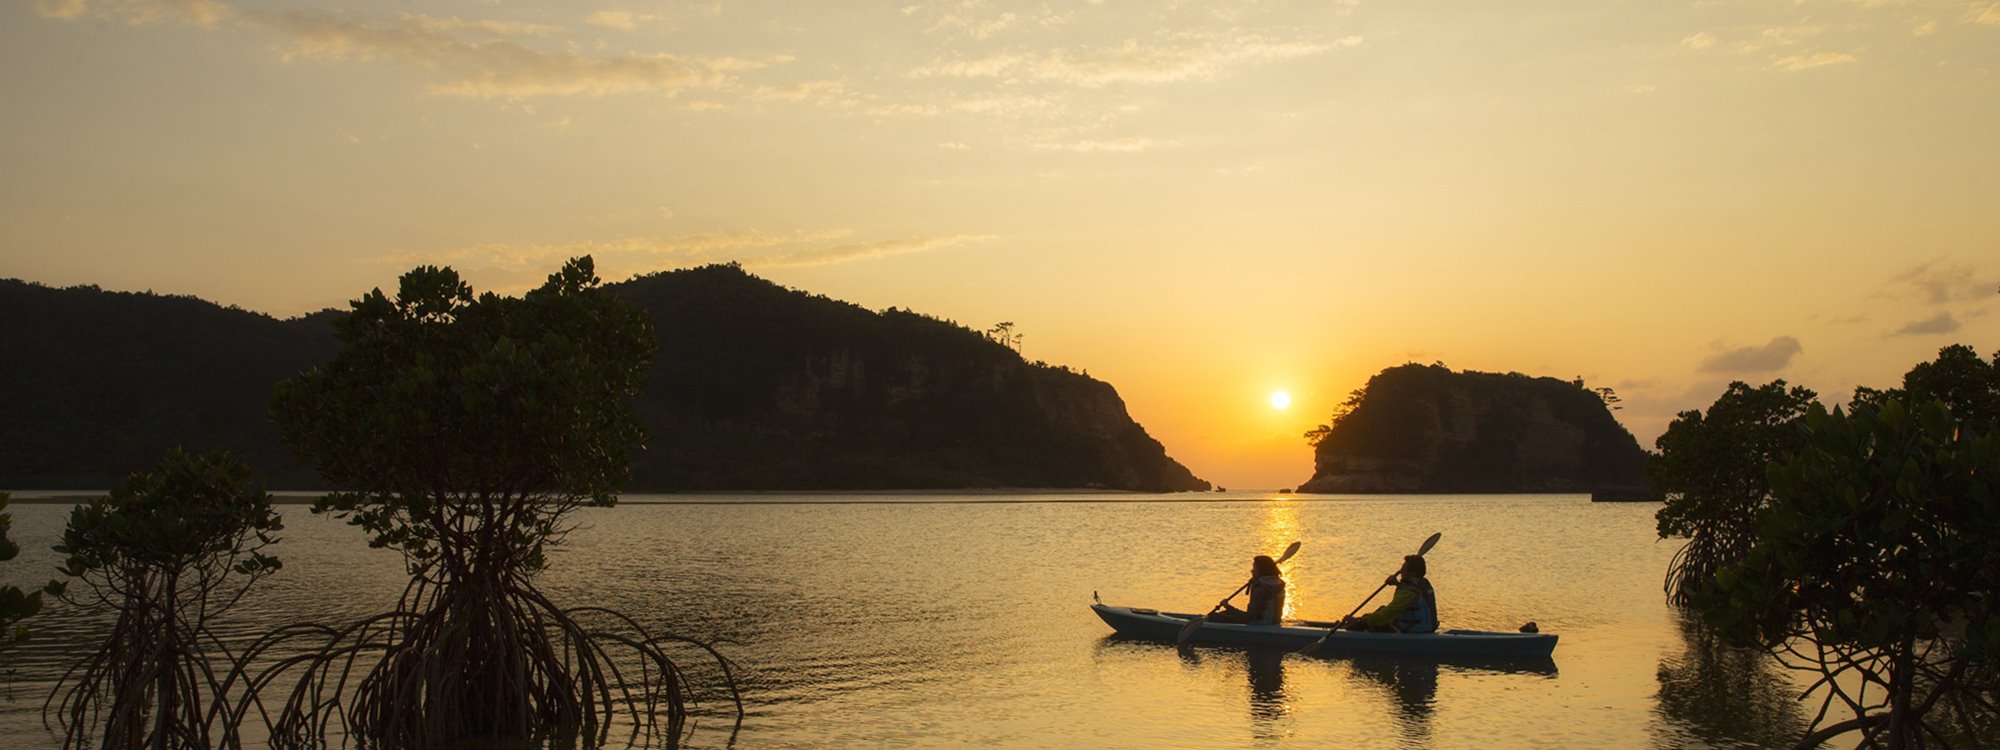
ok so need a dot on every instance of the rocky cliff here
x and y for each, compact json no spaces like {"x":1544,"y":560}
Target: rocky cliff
{"x":1428,"y":429}
{"x":760,"y":387}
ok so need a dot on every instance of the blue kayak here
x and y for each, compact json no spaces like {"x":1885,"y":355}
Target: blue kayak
{"x":1154,"y":625}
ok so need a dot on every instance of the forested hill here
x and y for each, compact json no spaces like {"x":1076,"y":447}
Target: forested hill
{"x":756,"y":386}
{"x":96,"y":384}
{"x":1426,"y":428}
{"x":753,"y":387}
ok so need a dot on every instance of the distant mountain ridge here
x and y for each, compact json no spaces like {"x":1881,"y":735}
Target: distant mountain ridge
{"x":1428,"y":429}
{"x":753,"y":387}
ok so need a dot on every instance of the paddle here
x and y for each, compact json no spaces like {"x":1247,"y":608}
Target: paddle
{"x":1194,"y":624}
{"x":1313,"y":648}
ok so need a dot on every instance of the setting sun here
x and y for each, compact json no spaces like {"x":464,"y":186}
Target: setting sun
{"x":1281,"y":400}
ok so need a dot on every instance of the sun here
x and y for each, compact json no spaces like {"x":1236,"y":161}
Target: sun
{"x":1281,"y":400}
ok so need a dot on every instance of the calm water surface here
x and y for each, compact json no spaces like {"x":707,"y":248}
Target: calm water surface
{"x":909,"y":621}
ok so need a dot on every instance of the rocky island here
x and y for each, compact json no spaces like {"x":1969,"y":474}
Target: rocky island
{"x":1428,"y":429}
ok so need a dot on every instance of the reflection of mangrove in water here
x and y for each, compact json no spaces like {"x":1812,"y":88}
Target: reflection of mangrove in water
{"x":1727,"y":696}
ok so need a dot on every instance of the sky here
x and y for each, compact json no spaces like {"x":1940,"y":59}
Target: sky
{"x":1199,"y":202}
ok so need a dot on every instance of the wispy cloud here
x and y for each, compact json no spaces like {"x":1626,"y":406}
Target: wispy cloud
{"x":968,"y":20}
{"x":487,"y":26}
{"x":1989,"y":16}
{"x":476,"y":57}
{"x":1940,"y":282}
{"x":623,"y":20}
{"x":204,"y":13}
{"x":701,"y":247}
{"x":865,"y":251}
{"x":825,"y":92}
{"x":1769,"y":357}
{"x":497,"y":68}
{"x":1808,"y":61}
{"x":1942,"y":322}
{"x":1110,"y":145}
{"x":1188,"y":57}
{"x":629,"y":255}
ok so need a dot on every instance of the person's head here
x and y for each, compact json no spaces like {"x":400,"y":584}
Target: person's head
{"x":1263,"y":565}
{"x":1413,"y":566}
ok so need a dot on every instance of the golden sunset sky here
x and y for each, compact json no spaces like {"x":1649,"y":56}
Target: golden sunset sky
{"x":1199,"y":202}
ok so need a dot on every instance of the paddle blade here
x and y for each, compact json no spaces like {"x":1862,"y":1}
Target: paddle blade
{"x":1312,"y":649}
{"x":1289,"y":551}
{"x":1187,"y":631}
{"x":1429,"y":543}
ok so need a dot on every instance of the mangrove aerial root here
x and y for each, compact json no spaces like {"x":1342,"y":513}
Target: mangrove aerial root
{"x":455,"y":662}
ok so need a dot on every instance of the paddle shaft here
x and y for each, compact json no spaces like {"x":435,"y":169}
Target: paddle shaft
{"x":1233,"y":594}
{"x":1195,"y":623}
{"x":1313,"y":648}
{"x":1371,"y":597}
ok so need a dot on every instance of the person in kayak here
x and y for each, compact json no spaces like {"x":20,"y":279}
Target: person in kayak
{"x":1414,"y":610}
{"x":1267,"y":596}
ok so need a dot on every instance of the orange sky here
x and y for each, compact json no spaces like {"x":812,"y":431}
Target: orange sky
{"x":1197,"y":202}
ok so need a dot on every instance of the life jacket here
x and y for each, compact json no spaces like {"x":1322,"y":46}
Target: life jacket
{"x":1421,"y":617}
{"x":1267,"y":600}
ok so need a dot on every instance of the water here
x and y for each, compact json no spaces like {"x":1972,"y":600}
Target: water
{"x":909,"y":621}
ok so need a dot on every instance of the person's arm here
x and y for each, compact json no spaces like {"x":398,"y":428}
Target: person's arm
{"x":1386,"y":615}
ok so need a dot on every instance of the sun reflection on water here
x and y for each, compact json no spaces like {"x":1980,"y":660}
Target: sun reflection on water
{"x":1281,"y":528}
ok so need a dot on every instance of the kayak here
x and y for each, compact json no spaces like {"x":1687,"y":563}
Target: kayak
{"x":1154,"y":625}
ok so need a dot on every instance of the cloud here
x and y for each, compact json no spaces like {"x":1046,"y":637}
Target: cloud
{"x":1942,"y":322}
{"x":623,"y":20}
{"x":642,"y":254}
{"x":820,"y":91}
{"x":962,"y":20}
{"x":1795,"y":63}
{"x":865,"y":251}
{"x":1926,"y":29}
{"x":1200,"y":59}
{"x":1786,"y":36}
{"x":1698,"y":40}
{"x":1769,"y":357}
{"x":1989,"y":16}
{"x":612,"y":19}
{"x":495,"y":68}
{"x":1186,"y":57}
{"x":203,"y":13}
{"x":1112,"y":145}
{"x":1938,"y":282}
{"x":487,"y":26}
{"x":702,"y":247}
{"x":992,"y":66}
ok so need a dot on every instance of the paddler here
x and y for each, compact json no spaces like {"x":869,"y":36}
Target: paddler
{"x":1267,"y":596}
{"x":1414,"y":610}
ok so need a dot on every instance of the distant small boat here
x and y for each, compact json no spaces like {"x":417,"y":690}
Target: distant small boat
{"x":1154,"y":625}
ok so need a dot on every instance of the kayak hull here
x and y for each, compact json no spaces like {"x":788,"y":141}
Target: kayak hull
{"x":1154,"y":625}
